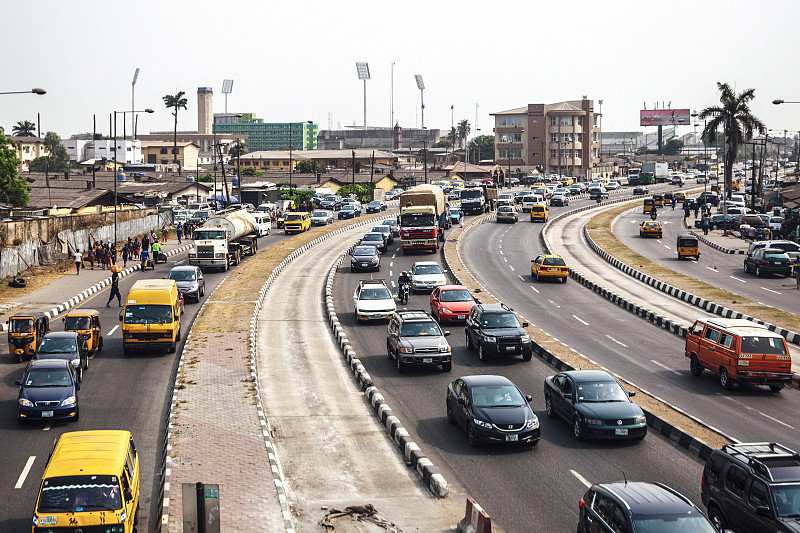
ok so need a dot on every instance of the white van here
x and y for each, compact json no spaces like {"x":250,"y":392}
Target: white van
{"x":263,"y":223}
{"x":529,"y":200}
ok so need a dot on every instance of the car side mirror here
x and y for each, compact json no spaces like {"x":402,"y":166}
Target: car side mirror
{"x":631,"y":393}
{"x":763,"y":510}
{"x":473,"y":326}
{"x":461,"y":401}
{"x":568,"y":396}
{"x":64,"y":320}
{"x":525,"y":324}
{"x":120,"y":317}
{"x":18,"y":382}
{"x":128,"y":494}
{"x":446,"y":333}
{"x":528,"y":398}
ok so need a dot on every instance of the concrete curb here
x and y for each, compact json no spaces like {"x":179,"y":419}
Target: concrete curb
{"x":414,"y":456}
{"x":715,"y":245}
{"x":75,"y":300}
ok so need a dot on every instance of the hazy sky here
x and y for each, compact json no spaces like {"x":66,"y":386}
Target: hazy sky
{"x":295,"y":61}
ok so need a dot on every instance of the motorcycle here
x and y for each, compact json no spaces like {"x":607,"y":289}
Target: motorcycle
{"x":653,"y":214}
{"x":403,"y":292}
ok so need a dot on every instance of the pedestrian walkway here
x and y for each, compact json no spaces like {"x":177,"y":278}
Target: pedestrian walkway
{"x":729,"y":243}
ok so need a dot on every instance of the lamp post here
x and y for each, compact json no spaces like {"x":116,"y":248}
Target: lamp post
{"x":116,"y":175}
{"x":35,"y":90}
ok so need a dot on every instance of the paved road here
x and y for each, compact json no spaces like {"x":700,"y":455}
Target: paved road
{"x":521,"y":489}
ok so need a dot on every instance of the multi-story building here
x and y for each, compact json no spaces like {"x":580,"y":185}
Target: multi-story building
{"x":267,"y":136}
{"x":160,"y":153}
{"x":376,"y":137}
{"x":558,"y":138}
{"x":128,"y":151}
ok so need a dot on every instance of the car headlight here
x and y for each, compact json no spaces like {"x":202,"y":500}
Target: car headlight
{"x":446,"y":310}
{"x":76,"y":362}
{"x":445,"y":349}
{"x":481,"y":423}
{"x":594,"y":421}
{"x":488,"y":338}
{"x":532,"y":423}
{"x":406,"y":350}
{"x":25,"y":402}
{"x":219,"y":256}
{"x":525,"y":338}
{"x":69,"y":402}
{"x":640,"y":420}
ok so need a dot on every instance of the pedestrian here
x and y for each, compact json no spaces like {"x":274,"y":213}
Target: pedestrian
{"x":113,"y":253}
{"x":153,"y":238}
{"x":156,"y":248}
{"x":686,"y":209}
{"x":125,"y":254}
{"x":90,"y":256}
{"x":78,"y":258}
{"x":179,"y":232}
{"x":674,"y":202}
{"x":136,"y":246}
{"x":114,"y":290}
{"x":696,"y":209}
{"x":706,"y":222}
{"x":164,"y":233}
{"x":146,"y":243}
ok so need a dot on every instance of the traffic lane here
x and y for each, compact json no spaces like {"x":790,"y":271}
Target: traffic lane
{"x":648,"y":356}
{"x":118,"y":392}
{"x":715,"y":268}
{"x":417,"y":398}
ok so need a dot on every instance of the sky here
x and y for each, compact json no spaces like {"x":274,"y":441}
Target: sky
{"x":295,"y":61}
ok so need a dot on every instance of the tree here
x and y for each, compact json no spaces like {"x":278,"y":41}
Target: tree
{"x":56,"y":151}
{"x":442,"y":143}
{"x":250,"y":171}
{"x":238,"y":148}
{"x":484,"y":146}
{"x":206,"y":178}
{"x":13,"y":189}
{"x":24,"y":128}
{"x":737,"y":121}
{"x":463,"y":132}
{"x":363,"y":191}
{"x":309,"y":166}
{"x":673,"y":147}
{"x":176,"y":102}
{"x":452,"y":136}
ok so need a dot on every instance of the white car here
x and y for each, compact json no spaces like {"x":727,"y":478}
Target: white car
{"x":505,"y":199}
{"x":321,"y":218}
{"x":427,"y":275}
{"x":372,"y":300}
{"x":263,"y":223}
{"x":612,"y":185}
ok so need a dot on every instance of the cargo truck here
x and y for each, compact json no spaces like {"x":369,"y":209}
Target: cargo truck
{"x":477,"y":200}
{"x":423,"y":218}
{"x":660,"y":171}
{"x":224,"y":239}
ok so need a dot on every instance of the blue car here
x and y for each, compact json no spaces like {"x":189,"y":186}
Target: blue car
{"x":455,"y":214}
{"x":349,"y":211}
{"x":48,"y":391}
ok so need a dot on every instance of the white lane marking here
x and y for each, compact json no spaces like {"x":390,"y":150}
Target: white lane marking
{"x":555,"y":304}
{"x":394,"y":255}
{"x":182,"y":261}
{"x":712,"y":269}
{"x":25,"y":471}
{"x":737,"y":279}
{"x":612,"y":339}
{"x":501,"y":252}
{"x":391,"y":263}
{"x":667,"y":247}
{"x":115,"y":328}
{"x":757,"y":411}
{"x":391,"y":274}
{"x":534,"y":289}
{"x":581,"y":321}
{"x":520,"y":277}
{"x":770,"y":290}
{"x":505,"y":259}
{"x":580,"y":478}
{"x":665,"y":367}
{"x":511,"y":267}
{"x":393,"y":285}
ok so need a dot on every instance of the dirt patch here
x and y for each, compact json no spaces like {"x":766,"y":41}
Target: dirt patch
{"x":570,"y":356}
{"x":600,"y":230}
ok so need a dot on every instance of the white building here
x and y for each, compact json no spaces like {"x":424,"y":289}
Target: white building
{"x":80,"y":150}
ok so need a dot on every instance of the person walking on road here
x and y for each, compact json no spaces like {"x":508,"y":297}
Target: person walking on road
{"x":164,"y":233}
{"x":125,"y":255}
{"x":114,"y":290}
{"x":146,"y":243}
{"x":674,"y":202}
{"x":78,"y":258}
{"x":137,"y":246}
{"x":179,"y":232}
{"x":686,"y":209}
{"x":156,"y":247}
{"x":696,"y":209}
{"x":706,"y":222}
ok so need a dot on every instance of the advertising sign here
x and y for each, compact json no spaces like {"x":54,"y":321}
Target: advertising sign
{"x":665,"y":117}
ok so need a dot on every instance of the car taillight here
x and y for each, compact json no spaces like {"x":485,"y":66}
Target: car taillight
{"x":581,"y":503}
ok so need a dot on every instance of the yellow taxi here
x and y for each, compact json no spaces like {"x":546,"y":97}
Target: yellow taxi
{"x":539,"y":213}
{"x":297,"y":222}
{"x":650,"y":228}
{"x":549,"y":266}
{"x":680,"y":196}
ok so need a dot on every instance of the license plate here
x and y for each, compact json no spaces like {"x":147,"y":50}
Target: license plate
{"x":363,"y":265}
{"x":47,"y":414}
{"x":510,"y":348}
{"x":427,"y":360}
{"x":512,"y":438}
{"x":462,"y":317}
{"x":620,"y":432}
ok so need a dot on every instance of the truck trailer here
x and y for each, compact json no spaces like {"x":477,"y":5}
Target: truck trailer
{"x":224,"y":239}
{"x":423,"y":218}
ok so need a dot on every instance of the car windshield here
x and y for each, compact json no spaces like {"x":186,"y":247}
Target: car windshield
{"x":57,"y":345}
{"x":320,"y":214}
{"x":786,"y":246}
{"x":48,"y":377}
{"x":148,"y":314}
{"x":553,"y":261}
{"x":74,"y":323}
{"x":182,"y":275}
{"x":330,"y":198}
{"x":349,"y":207}
{"x":378,"y":293}
{"x":776,"y":255}
{"x":21,"y":325}
{"x":365,"y":251}
{"x":420,"y":329}
{"x":506,"y":209}
{"x":601,"y":391}
{"x":763,"y":345}
{"x":499,"y":320}
{"x":373,"y":237}
{"x":456,"y":295}
{"x":209,"y":235}
{"x":375,"y":204}
{"x":696,"y":523}
{"x":382,"y":229}
{"x":293,"y":218}
{"x":79,"y":493}
{"x":497,"y":396}
{"x":422,"y":270}
{"x":787,"y":500}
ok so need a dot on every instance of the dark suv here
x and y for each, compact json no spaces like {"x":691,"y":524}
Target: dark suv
{"x":414,"y":338}
{"x":753,"y":487}
{"x":636,"y":506}
{"x":495,"y":330}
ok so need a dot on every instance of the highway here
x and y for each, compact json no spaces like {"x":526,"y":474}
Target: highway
{"x":117,"y":392}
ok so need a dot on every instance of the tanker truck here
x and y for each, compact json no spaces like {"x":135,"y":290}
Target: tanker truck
{"x":223,"y":239}
{"x":423,"y":218}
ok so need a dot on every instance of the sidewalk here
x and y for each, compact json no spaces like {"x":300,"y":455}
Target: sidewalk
{"x":68,"y":291}
{"x":728,"y":244}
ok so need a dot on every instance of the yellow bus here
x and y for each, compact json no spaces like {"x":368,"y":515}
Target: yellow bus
{"x":151,"y":317}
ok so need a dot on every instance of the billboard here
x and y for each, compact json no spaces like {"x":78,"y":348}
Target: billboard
{"x":665,"y":117}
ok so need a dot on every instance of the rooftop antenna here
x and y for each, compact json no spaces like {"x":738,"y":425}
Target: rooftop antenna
{"x":421,"y":87}
{"x":227,"y":88}
{"x":363,"y":74}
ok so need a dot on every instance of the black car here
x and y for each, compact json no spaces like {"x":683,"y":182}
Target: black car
{"x":376,"y":206}
{"x":708,"y":197}
{"x":492,"y":409}
{"x":598,"y":192}
{"x":719,"y":221}
{"x":387,"y":232}
{"x":332,"y":202}
{"x":67,"y":345}
{"x":392,"y":223}
{"x":494,"y":329}
{"x":754,"y":487}
{"x":48,"y":390}
{"x":375,"y":239}
{"x":596,"y":405}
{"x":636,"y":506}
{"x":349,"y":211}
{"x":365,"y":258}
{"x":190,"y":281}
{"x":768,"y":261}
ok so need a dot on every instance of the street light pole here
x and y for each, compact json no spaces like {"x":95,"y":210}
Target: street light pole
{"x":35,"y":90}
{"x":116,"y":175}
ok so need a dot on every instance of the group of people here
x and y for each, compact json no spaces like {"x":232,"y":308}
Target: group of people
{"x":102,"y":253}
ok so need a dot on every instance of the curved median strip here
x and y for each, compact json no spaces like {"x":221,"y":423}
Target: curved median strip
{"x":689,"y":432}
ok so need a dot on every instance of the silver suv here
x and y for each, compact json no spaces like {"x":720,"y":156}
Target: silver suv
{"x":414,"y":338}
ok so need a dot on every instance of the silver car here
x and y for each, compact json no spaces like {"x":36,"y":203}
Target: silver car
{"x":190,"y":282}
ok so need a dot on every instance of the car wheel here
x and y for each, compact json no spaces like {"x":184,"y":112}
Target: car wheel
{"x":758,"y":272}
{"x":468,"y":342}
{"x":100,"y":346}
{"x":776,"y":388}
{"x":472,"y":438}
{"x":446,"y":367}
{"x":401,"y":366}
{"x":694,"y":366}
{"x":86,"y":363}
{"x":564,"y":279}
{"x":80,"y":374}
{"x":725,"y":379}
{"x":715,"y":515}
{"x":548,"y":406}
{"x":577,"y":429}
{"x":746,"y":268}
{"x":203,"y":291}
{"x":450,"y":417}
{"x":481,"y":354}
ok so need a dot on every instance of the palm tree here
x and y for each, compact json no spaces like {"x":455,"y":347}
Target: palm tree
{"x":463,"y":131}
{"x":451,"y":136}
{"x":737,"y":121}
{"x":24,"y":128}
{"x":176,"y":101}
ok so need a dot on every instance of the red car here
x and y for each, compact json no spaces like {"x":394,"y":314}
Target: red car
{"x":451,"y":302}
